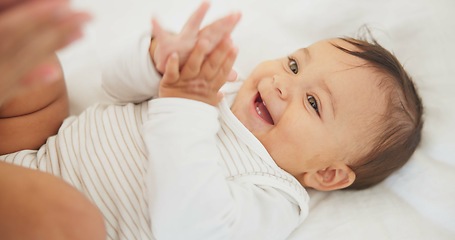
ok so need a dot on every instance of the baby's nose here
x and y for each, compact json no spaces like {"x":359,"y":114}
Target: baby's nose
{"x":282,"y":86}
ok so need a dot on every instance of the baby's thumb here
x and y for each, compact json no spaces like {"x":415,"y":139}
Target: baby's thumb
{"x":171,"y":73}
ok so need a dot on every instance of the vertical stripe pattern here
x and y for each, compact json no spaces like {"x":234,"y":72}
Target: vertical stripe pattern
{"x":101,"y":153}
{"x":245,"y":159}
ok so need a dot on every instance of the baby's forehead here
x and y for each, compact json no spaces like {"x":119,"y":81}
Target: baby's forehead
{"x":340,"y":56}
{"x":334,"y":41}
{"x":337,"y":47}
{"x":334,"y":54}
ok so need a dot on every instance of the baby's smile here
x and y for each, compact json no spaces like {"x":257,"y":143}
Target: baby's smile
{"x":261,"y":109}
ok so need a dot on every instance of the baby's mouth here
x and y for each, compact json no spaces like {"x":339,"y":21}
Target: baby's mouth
{"x":261,"y":109}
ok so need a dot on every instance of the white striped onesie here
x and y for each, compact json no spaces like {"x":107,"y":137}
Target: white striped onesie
{"x":178,"y":168}
{"x":102,"y":154}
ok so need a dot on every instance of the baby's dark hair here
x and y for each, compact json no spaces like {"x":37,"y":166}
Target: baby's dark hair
{"x":398,"y":132}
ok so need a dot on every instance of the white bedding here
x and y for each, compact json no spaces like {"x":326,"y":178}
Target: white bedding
{"x":417,"y":202}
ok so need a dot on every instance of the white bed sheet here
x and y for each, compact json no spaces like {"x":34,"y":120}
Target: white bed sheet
{"x":417,"y":202}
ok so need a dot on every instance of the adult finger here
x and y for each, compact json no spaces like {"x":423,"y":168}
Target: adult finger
{"x":26,"y":25}
{"x":193,"y":65}
{"x":43,"y":44}
{"x":23,"y":46}
{"x":52,"y":38}
{"x":30,"y":16}
{"x":191,"y":27}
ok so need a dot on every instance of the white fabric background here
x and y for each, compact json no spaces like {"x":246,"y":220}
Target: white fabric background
{"x":418,"y":202}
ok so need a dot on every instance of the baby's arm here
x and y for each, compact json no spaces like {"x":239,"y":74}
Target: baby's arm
{"x":187,"y":186}
{"x":130,"y":76}
{"x":135,"y":74}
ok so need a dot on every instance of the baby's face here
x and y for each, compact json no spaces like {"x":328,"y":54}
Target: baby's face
{"x":312,"y":109}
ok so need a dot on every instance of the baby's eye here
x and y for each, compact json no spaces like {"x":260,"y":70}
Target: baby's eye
{"x":293,"y":65}
{"x":313,"y":103}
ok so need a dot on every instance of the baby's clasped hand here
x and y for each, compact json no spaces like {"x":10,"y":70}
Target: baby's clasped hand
{"x":183,"y":43}
{"x":202,"y":76}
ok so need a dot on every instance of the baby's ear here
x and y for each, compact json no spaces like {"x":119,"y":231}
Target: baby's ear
{"x":335,"y":177}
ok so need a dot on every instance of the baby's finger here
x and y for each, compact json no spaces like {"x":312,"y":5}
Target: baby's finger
{"x":157,"y":30}
{"x":232,"y":76}
{"x":213,"y":63}
{"x":193,"y":24}
{"x":159,"y":34}
{"x":171,"y":73}
{"x":195,"y":60}
{"x":226,"y":69}
{"x":219,"y":29}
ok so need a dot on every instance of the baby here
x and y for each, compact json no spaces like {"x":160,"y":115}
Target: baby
{"x":186,"y":162}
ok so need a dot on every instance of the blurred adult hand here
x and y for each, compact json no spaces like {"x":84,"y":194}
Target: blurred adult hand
{"x":30,"y":32}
